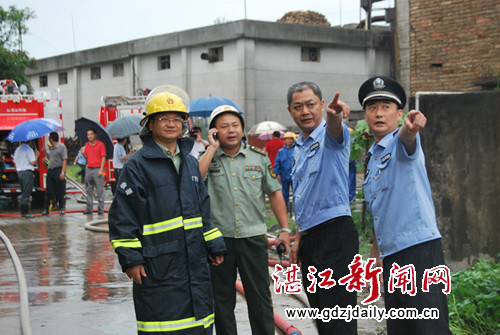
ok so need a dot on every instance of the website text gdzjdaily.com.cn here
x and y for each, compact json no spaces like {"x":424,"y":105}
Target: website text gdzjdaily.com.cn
{"x":349,"y":313}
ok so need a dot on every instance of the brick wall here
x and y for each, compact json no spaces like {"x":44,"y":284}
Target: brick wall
{"x":454,"y":45}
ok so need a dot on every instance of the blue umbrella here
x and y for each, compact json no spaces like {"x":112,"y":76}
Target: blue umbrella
{"x":204,"y":106}
{"x":31,"y":129}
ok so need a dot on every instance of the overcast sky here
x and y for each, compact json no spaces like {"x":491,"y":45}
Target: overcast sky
{"x":63,"y":26}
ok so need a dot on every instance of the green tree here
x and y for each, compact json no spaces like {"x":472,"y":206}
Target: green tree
{"x":13,"y":60}
{"x":12,"y":25}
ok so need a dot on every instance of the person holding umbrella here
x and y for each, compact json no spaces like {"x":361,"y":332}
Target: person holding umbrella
{"x":25,"y":159}
{"x":119,"y":158}
{"x":94,"y":152}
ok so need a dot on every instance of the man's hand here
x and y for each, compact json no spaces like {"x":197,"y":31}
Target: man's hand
{"x":284,"y":238}
{"x":211,"y":140}
{"x":413,"y":122}
{"x":294,"y":253}
{"x":216,"y":260}
{"x":336,"y":107}
{"x":136,"y":273}
{"x":333,"y":121}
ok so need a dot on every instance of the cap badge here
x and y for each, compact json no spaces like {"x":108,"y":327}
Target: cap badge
{"x":170,"y":101}
{"x":378,"y":84}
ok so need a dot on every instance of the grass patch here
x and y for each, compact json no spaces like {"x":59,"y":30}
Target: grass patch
{"x":72,"y":170}
{"x":474,"y":299}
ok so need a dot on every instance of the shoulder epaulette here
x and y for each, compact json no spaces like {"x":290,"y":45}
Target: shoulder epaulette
{"x":259,"y":150}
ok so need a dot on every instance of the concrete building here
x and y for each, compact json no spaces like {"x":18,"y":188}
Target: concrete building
{"x":250,"y":62}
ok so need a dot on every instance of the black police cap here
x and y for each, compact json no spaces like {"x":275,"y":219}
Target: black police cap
{"x":382,"y":88}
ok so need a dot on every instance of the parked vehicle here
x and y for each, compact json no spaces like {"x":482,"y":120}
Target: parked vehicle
{"x":17,"y":107}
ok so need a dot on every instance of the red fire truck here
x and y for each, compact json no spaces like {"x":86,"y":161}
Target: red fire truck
{"x":14,"y":109}
{"x":112,"y":108}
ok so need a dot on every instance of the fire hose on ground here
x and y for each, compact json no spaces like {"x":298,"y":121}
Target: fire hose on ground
{"x":23,"y":288}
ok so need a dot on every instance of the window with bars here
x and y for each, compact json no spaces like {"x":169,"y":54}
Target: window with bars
{"x":164,"y":62}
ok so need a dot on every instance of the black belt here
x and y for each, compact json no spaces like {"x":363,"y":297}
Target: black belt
{"x":319,"y":227}
{"x":315,"y":228}
{"x":92,"y":167}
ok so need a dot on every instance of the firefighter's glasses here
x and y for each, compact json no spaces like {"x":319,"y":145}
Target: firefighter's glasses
{"x":163,"y":119}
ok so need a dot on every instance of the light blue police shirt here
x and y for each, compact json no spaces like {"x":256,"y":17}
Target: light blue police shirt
{"x":398,"y":196}
{"x":320,"y":177}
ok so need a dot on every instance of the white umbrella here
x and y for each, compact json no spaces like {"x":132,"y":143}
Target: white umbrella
{"x":266,"y":126}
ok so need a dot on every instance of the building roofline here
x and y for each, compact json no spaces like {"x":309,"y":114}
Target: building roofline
{"x":219,"y":33}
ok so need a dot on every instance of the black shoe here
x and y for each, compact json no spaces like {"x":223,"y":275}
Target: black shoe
{"x":86,"y":213}
{"x":100,"y":213}
{"x":27,"y":215}
{"x":45,"y":212}
{"x":61,"y":212}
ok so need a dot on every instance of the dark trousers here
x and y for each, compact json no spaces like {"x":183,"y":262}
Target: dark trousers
{"x":285,"y":189}
{"x":114,"y":184}
{"x":423,"y":256}
{"x":333,"y":244}
{"x":55,"y":188}
{"x":249,"y":256}
{"x":27,"y":182}
{"x":81,"y":172}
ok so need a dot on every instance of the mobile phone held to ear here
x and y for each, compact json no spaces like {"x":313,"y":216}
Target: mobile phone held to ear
{"x":215,"y":136}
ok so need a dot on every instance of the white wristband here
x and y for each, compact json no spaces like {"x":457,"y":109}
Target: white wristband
{"x":288,"y":230}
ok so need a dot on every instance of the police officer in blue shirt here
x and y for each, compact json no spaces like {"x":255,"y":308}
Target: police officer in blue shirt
{"x":398,"y":197}
{"x":326,"y":236}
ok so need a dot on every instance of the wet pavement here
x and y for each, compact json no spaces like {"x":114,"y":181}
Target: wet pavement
{"x":75,"y":283}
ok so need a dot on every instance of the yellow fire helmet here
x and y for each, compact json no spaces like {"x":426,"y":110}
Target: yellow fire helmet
{"x":289,"y":134}
{"x":160,"y":101}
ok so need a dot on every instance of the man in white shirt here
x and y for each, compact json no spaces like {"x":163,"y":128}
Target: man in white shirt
{"x":199,"y":143}
{"x":119,"y":158}
{"x":25,"y":159}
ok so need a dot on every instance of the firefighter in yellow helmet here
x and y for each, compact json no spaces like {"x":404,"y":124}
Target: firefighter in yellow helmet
{"x":159,"y":225}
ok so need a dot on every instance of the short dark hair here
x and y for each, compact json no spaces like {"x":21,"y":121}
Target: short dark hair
{"x":276,"y":133}
{"x":92,"y":130}
{"x":54,"y":136}
{"x":303,"y":85}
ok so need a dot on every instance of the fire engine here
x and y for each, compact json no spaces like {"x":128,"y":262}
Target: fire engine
{"x":17,"y":107}
{"x":112,"y":108}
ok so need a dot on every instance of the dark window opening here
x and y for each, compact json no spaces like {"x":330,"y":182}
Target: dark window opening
{"x":95,"y":73}
{"x":44,"y":82}
{"x":63,"y":78}
{"x":164,"y":62}
{"x":309,"y":54}
{"x":118,"y":70}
